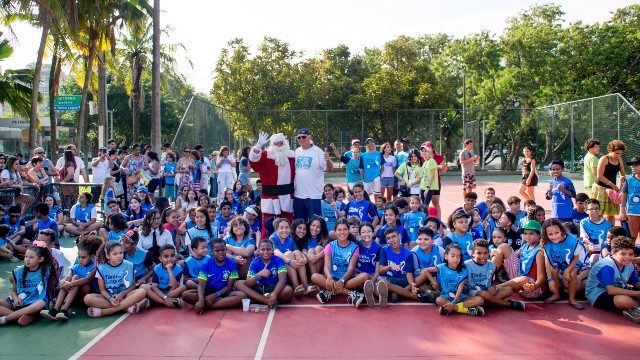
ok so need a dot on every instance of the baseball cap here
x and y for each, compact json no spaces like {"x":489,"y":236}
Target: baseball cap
{"x":131,"y":236}
{"x":304,"y":131}
{"x":459,"y":214}
{"x":426,"y":146}
{"x":406,"y":140}
{"x":251,"y":210}
{"x":533,"y":225}
{"x":634,"y":161}
{"x":143,"y":189}
{"x":355,"y":140}
{"x":369,"y":139}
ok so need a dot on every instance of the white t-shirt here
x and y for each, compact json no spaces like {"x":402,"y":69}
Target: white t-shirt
{"x":100,"y":172}
{"x":79,"y":166}
{"x":59,"y":256}
{"x":310,"y":168}
{"x":225,"y":166}
{"x":389,"y":163}
{"x":206,"y":168}
{"x":146,"y":242}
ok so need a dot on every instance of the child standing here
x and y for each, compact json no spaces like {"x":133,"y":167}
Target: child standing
{"x":630,"y":198}
{"x":451,"y":282}
{"x":107,"y":193}
{"x":340,"y":259}
{"x":579,"y":212}
{"x":81,"y":278}
{"x":117,"y":289}
{"x":608,"y":282}
{"x":561,"y":190}
{"x":215,"y":282}
{"x":267,"y":278}
{"x":32,"y":286}
{"x":481,"y":272}
{"x":563,"y":261}
{"x":166,"y":287}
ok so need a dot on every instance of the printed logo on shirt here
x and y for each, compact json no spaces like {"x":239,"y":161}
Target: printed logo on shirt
{"x":303,"y":162}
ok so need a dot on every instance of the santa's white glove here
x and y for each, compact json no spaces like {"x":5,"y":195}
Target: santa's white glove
{"x":262,"y":140}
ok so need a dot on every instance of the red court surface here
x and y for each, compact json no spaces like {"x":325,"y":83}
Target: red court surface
{"x":306,"y":329}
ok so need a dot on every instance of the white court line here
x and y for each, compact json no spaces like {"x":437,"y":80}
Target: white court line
{"x":265,"y":334}
{"x":102,"y":334}
{"x":347,"y":305}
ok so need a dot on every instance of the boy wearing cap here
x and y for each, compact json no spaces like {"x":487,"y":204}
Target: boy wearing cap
{"x":372,"y":160}
{"x":630,"y":198}
{"x":467,"y":160}
{"x":311,"y":164}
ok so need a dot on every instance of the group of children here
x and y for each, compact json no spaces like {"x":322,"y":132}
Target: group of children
{"x":212,"y":258}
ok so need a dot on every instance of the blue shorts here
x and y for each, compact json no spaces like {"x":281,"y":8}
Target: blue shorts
{"x":399,"y":281}
{"x":387,"y":181}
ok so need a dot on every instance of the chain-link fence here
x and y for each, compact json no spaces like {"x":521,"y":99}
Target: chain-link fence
{"x":555,"y":131}
{"x":67,"y":193}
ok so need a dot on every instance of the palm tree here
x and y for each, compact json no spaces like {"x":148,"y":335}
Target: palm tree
{"x":15,"y":89}
{"x":155,"y":79}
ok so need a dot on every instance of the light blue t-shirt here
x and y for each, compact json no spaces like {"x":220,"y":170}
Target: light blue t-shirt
{"x":465,"y":241}
{"x":340,"y":257}
{"x":372,"y":162}
{"x":34,"y":286}
{"x":283,"y":246}
{"x":480,"y":276}
{"x":161,"y":276}
{"x":192,"y":266}
{"x":449,"y":280}
{"x":596,"y":233}
{"x":606,"y":272}
{"x":116,"y":278}
{"x":412,"y":222}
{"x":422,"y":260}
{"x":561,"y":254}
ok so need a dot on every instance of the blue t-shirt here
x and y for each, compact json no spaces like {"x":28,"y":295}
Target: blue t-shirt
{"x":596,"y":233}
{"x":329,"y":214}
{"x":82,"y":271}
{"x":340,"y":257}
{"x":15,"y":227}
{"x":561,"y":204}
{"x":527,"y":258}
{"x":465,"y":241}
{"x":275,"y":267}
{"x":53,"y":213}
{"x":483,"y":209}
{"x":422,"y":260}
{"x":110,"y":195}
{"x":578,"y":216}
{"x":389,"y":257}
{"x":412,"y":222}
{"x":170,"y":168}
{"x":449,"y":280}
{"x":402,"y":157}
{"x":115,"y":235}
{"x":217,"y":276}
{"x":255,"y":227}
{"x":480,"y":276}
{"x":368,"y":259}
{"x":352,"y":168}
{"x":194,"y":232}
{"x":116,"y":278}
{"x":283,"y":247}
{"x":404,"y":238}
{"x":48,"y":224}
{"x":141,"y":261}
{"x":34,"y":286}
{"x":222,"y":223}
{"x":364,"y":209}
{"x":197,"y":172}
{"x":519,"y":216}
{"x":561,"y":254}
{"x":135,"y":216}
{"x":244,"y":243}
{"x":606,"y":272}
{"x":372,"y":162}
{"x":632,"y":188}
{"x":192,"y":266}
{"x":161,"y":276}
{"x":146,"y":206}
{"x":83,"y":215}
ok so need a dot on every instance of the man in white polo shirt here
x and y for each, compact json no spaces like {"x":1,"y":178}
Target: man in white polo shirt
{"x":311,"y":164}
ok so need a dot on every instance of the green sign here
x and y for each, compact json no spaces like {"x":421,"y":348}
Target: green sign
{"x":67,"y":102}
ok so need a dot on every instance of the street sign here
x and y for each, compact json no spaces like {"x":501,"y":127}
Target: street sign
{"x":67,"y":102}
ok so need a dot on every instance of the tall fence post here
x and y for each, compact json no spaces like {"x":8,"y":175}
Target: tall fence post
{"x":571,"y":134}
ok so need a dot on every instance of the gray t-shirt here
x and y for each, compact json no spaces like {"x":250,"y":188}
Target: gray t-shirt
{"x":468,"y":167}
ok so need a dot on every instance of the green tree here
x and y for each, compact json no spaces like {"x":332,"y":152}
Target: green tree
{"x":15,"y":85}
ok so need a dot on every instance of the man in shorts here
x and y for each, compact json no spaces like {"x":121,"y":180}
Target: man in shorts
{"x":467,"y":161}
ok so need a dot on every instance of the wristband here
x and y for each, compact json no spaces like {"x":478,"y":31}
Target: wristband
{"x":623,"y":205}
{"x":550,"y":279}
{"x":218,"y":293}
{"x":341,"y":280}
{"x":110,"y":297}
{"x":165,"y":297}
{"x":289,"y":262}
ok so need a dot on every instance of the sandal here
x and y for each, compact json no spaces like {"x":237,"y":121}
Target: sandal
{"x":140,"y":305}
{"x":551,"y":301}
{"x":25,"y":320}
{"x":94,"y":312}
{"x":310,"y":289}
{"x":577,"y":306}
{"x":299,"y":291}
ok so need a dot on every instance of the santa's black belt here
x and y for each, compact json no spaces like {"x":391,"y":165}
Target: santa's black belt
{"x":276,"y":190}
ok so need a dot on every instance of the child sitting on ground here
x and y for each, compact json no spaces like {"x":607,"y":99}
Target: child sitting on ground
{"x":166,"y":287}
{"x":425,"y":255}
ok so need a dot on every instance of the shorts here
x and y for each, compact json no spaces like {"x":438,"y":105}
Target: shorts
{"x":211,"y":290}
{"x":15,"y":308}
{"x":531,"y":294}
{"x":605,"y":301}
{"x":153,"y":185}
{"x":469,"y":181}
{"x":387,"y":181}
{"x":534,"y":180}
{"x":450,"y":296}
{"x":373,"y":187}
{"x":350,"y":185}
{"x":399,"y":281}
{"x":512,"y":265}
{"x":263,"y":289}
{"x":245,"y":179}
{"x":436,"y":192}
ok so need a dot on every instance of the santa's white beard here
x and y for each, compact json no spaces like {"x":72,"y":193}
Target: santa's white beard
{"x":280,"y":154}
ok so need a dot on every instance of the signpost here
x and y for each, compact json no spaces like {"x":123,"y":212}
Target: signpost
{"x":67,"y":102}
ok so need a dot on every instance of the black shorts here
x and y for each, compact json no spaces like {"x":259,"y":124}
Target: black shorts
{"x":534,"y":180}
{"x":605,"y":301}
{"x":436,"y":192}
{"x":153,"y":185}
{"x":263,"y":289}
{"x":211,"y":290}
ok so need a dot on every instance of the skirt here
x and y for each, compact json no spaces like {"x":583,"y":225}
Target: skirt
{"x":607,"y":208}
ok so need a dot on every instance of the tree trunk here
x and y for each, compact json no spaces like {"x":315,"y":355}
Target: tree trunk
{"x":54,"y":78}
{"x":33,"y":117}
{"x":81,"y":123}
{"x":136,"y":97}
{"x":155,"y":80}
{"x":102,"y":97}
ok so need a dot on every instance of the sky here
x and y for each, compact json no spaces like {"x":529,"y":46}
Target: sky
{"x":206,"y":26}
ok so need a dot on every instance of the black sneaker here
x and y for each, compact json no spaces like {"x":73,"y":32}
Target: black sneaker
{"x":476,"y":311}
{"x":62,"y":315}
{"x":323,"y":296}
{"x":442,"y":311}
{"x":355,"y":298}
{"x":632,"y":314}
{"x":393,"y":297}
{"x":49,"y":314}
{"x":516,"y":305}
{"x":502,"y":277}
{"x":368,"y":293}
{"x":383,"y":293}
{"x":427,"y":297}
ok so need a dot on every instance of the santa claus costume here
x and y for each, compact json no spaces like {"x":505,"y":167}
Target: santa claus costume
{"x":276,"y":167}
